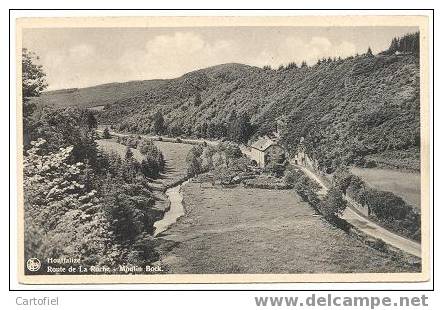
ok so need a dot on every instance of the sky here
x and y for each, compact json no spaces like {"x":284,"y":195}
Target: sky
{"x":81,"y":57}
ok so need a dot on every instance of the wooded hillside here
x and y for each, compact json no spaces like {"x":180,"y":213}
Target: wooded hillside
{"x":360,"y":110}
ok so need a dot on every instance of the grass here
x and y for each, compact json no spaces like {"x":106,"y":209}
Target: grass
{"x":110,"y":145}
{"x":403,"y":184}
{"x":174,"y":154}
{"x":175,"y":157}
{"x":241,"y":230}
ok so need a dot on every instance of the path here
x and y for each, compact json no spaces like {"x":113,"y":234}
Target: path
{"x":366,"y":225}
{"x":165,"y":139}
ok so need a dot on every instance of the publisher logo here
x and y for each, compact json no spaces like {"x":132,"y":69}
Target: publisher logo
{"x":33,"y":264}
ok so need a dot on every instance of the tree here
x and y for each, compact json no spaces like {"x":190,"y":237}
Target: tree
{"x":241,"y":129}
{"x":291,"y":65}
{"x":369,"y":52}
{"x":62,"y":214}
{"x":333,"y":205}
{"x":33,"y":83}
{"x":33,"y":76}
{"x":197,"y":100}
{"x":88,"y":120}
{"x":158,"y":124}
{"x":128,"y":153}
{"x":385,"y":205}
{"x":394,"y":46}
{"x":194,"y":166}
{"x":106,"y":134}
{"x":64,"y":127}
{"x":194,"y":161}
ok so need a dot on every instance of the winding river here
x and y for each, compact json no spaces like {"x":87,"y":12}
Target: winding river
{"x":176,"y":209}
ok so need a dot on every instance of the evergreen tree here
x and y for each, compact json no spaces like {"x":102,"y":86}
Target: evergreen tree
{"x":158,"y":125}
{"x":240,"y":129}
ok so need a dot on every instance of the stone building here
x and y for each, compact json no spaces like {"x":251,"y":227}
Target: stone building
{"x":265,"y":150}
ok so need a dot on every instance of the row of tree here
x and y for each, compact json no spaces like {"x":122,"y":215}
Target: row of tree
{"x":238,"y":128}
{"x":384,"y":207}
{"x":409,"y":43}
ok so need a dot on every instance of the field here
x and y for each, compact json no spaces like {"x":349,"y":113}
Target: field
{"x":239,"y":230}
{"x":174,"y":154}
{"x":109,"y":146}
{"x":404,"y":184}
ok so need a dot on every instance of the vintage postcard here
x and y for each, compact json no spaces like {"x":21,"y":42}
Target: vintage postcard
{"x":223,"y":149}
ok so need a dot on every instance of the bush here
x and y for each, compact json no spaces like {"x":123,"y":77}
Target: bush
{"x":385,"y":205}
{"x":194,"y":161}
{"x":154,"y":159}
{"x":275,"y":169}
{"x":333,"y":204}
{"x":305,"y":187}
{"x":150,"y":167}
{"x":290,"y":177}
{"x":106,"y":134}
{"x":380,"y":245}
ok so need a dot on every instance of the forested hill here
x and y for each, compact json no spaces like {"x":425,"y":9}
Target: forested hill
{"x":361,"y":110}
{"x":346,"y":109}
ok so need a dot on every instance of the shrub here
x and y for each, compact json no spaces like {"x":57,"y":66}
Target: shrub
{"x":275,"y":169}
{"x":333,"y":204}
{"x":194,"y":161}
{"x":385,"y":204}
{"x":106,"y":134}
{"x":153,"y":158}
{"x":380,"y":245}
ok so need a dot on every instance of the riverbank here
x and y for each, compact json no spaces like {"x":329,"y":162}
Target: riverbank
{"x":175,"y":209}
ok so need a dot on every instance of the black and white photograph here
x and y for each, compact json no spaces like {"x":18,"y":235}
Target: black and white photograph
{"x":223,"y":149}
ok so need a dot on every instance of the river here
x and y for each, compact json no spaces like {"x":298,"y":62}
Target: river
{"x":176,"y":209}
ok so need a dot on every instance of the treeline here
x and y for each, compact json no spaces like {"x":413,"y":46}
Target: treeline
{"x":384,"y":207}
{"x":153,"y":162}
{"x":238,"y":128}
{"x":80,"y":202}
{"x":225,"y":160}
{"x":409,"y":43}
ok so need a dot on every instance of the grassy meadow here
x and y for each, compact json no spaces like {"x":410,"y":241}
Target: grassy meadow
{"x":110,"y":145}
{"x":239,"y":230}
{"x":404,"y":184}
{"x":174,"y":154}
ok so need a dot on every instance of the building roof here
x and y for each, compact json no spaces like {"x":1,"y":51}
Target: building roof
{"x":263,"y":143}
